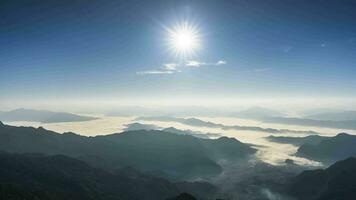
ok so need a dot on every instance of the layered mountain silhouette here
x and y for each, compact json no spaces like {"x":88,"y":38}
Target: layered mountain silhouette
{"x":40,"y":177}
{"x":139,"y":126}
{"x":162,"y":153}
{"x":258,"y":113}
{"x":336,"y":182}
{"x":297,"y":141}
{"x":333,"y":116}
{"x":331,"y":149}
{"x":201,"y":123}
{"x":43,"y":116}
{"x":183,"y":196}
{"x":343,"y":124}
{"x":330,"y":119}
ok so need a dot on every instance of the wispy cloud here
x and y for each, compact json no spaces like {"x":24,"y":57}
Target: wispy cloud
{"x":154,"y":72}
{"x":221,"y":62}
{"x":323,"y":44}
{"x":194,"y":63}
{"x":171,"y":68}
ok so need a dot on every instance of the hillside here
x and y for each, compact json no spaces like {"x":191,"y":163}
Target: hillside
{"x":167,"y":154}
{"x":39,"y":177}
{"x":331,"y":149}
{"x":336,"y":182}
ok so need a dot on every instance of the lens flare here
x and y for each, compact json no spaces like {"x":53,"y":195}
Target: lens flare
{"x":184,"y":39}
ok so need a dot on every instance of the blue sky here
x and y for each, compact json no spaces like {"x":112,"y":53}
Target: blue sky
{"x":68,"y":50}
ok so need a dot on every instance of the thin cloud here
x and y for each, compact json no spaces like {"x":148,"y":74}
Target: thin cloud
{"x":194,"y":63}
{"x":171,"y":66}
{"x":221,"y":62}
{"x":152,"y":72}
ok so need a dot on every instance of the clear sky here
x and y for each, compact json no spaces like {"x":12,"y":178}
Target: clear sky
{"x":120,"y":50}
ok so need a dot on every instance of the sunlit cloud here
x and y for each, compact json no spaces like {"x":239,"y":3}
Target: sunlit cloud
{"x":221,"y":62}
{"x":193,"y":63}
{"x":171,"y":66}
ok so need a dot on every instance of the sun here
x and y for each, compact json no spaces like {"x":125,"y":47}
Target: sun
{"x":184,"y":39}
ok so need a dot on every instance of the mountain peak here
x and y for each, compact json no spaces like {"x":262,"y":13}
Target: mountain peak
{"x":343,"y":135}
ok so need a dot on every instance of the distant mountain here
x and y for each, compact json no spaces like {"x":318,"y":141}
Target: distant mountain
{"x":138,"y":126}
{"x":334,"y":116}
{"x":43,"y":116}
{"x":330,"y":149}
{"x":39,"y":177}
{"x":336,"y":182}
{"x":258,"y":113}
{"x":347,"y":124}
{"x":202,"y":123}
{"x":190,"y":132}
{"x":297,"y":141}
{"x":169,"y":155}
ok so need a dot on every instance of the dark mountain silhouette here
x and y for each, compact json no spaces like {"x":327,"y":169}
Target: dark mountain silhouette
{"x":336,"y":182}
{"x":43,"y":116}
{"x":138,"y":126}
{"x":190,"y":132}
{"x":183,"y":196}
{"x":39,"y":177}
{"x":297,"y":141}
{"x":199,"y":189}
{"x":170,"y":155}
{"x":330,"y":149}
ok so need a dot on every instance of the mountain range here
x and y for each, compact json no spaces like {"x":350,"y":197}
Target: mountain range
{"x":43,"y":116}
{"x":201,"y":123}
{"x":37,"y":164}
{"x":297,"y":141}
{"x":162,"y":153}
{"x":336,"y":182}
{"x":330,"y":149}
{"x":321,"y":148}
{"x":58,"y":177}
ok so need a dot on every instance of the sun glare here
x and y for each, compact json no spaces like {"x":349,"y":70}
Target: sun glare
{"x":184,"y":39}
